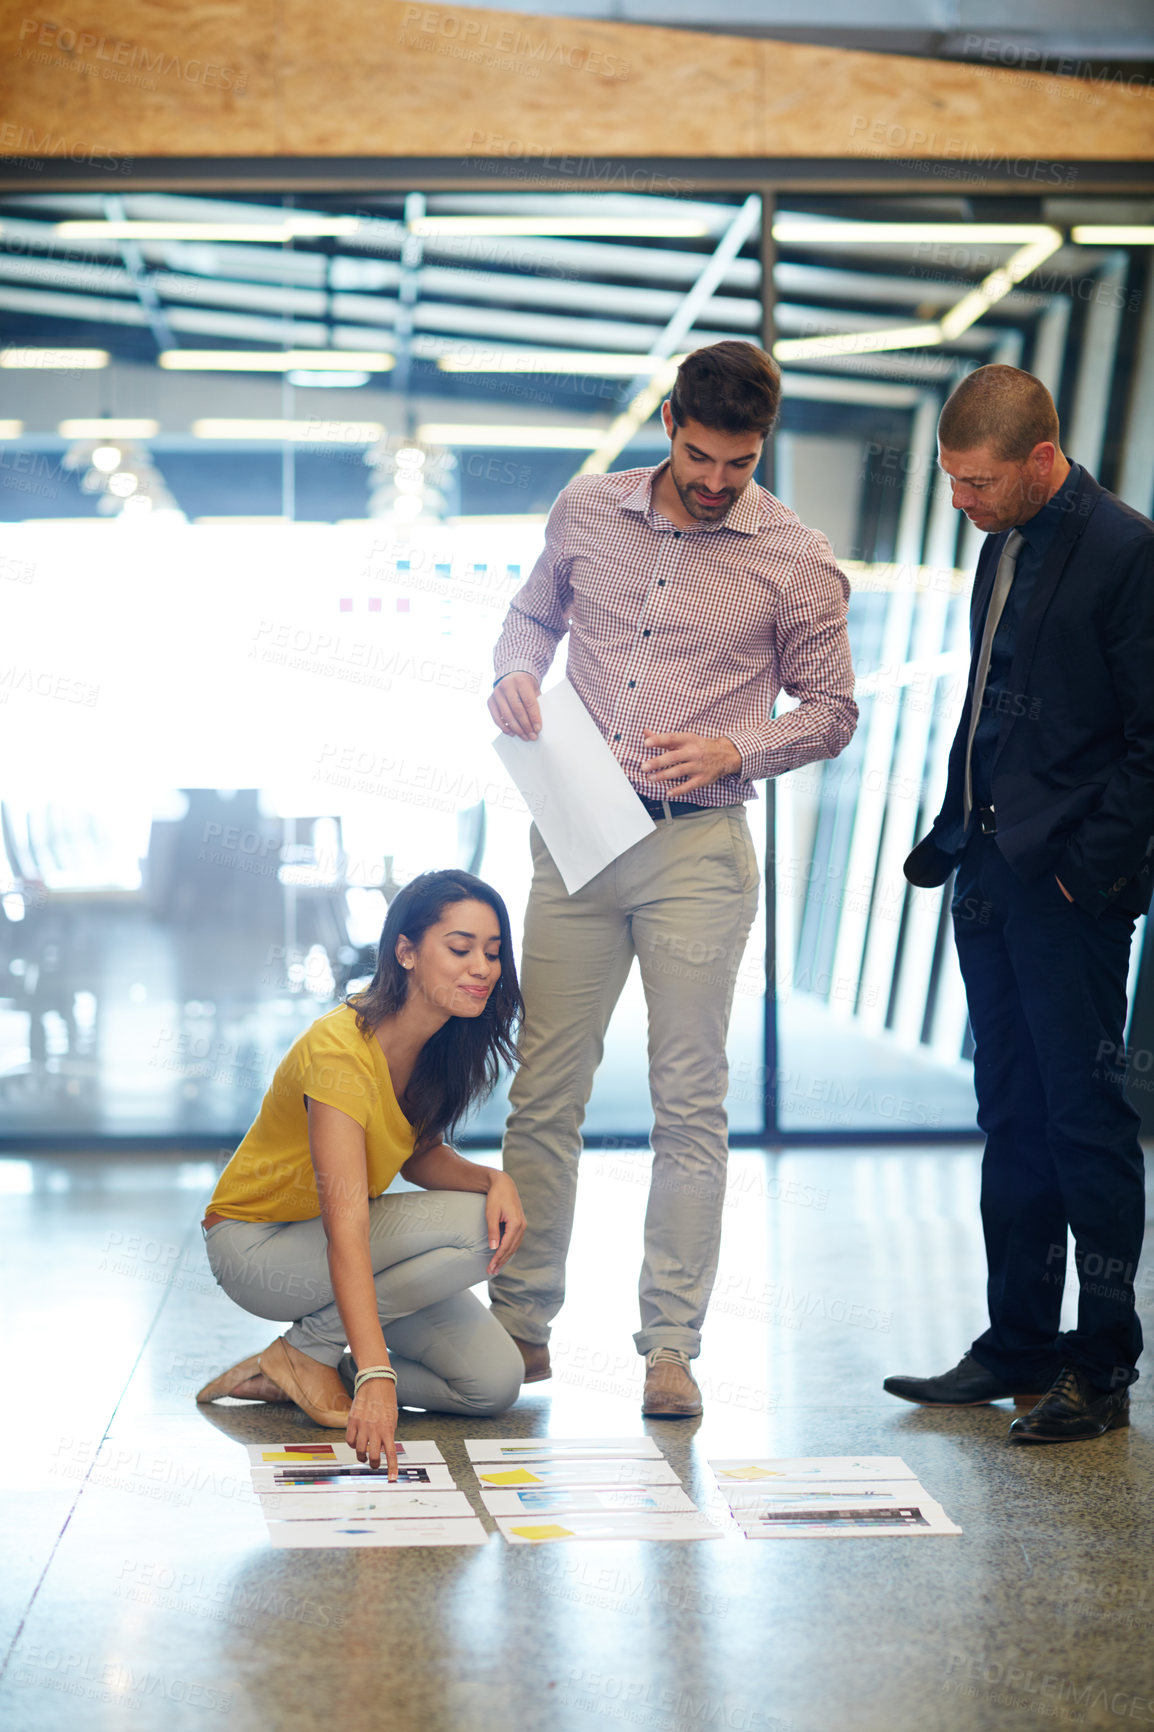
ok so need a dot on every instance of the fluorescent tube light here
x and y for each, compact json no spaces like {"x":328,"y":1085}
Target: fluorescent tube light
{"x":587,"y":227}
{"x":998,"y":284}
{"x":857,"y":342}
{"x":606,"y":366}
{"x":1113,"y":235}
{"x":55,"y":360}
{"x":276,"y":360}
{"x":544,"y":438}
{"x":107,"y":429}
{"x":11,"y":429}
{"x":306,"y":432}
{"x":275,"y":233}
{"x":811,"y":231}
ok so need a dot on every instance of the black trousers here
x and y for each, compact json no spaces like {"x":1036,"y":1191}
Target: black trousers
{"x":1046,"y":984}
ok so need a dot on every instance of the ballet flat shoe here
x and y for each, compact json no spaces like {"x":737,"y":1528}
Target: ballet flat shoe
{"x":314,"y":1387}
{"x":231,"y":1379}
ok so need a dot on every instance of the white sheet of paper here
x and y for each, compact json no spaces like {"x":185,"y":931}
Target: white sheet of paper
{"x":335,"y":1454}
{"x":320,"y":1480}
{"x":341,"y":1506}
{"x":605,"y":1525}
{"x":747,"y":1500}
{"x":915,"y":1515}
{"x":540,"y":1504}
{"x":797,"y":1469}
{"x":583,"y":805}
{"x":376,"y":1532}
{"x":519,"y":1449}
{"x":568,"y":1473}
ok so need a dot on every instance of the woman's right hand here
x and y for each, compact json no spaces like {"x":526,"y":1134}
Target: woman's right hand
{"x":372,"y":1426}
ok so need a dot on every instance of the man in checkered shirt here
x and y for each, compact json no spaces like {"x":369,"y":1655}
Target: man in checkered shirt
{"x":691,"y":597}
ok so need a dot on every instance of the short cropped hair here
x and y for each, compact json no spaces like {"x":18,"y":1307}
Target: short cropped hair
{"x":1003,"y":407}
{"x":733,"y":387}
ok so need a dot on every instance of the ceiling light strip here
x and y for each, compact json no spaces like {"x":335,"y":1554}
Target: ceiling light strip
{"x":589,"y":227}
{"x":55,"y":360}
{"x":276,"y":360}
{"x":316,"y":432}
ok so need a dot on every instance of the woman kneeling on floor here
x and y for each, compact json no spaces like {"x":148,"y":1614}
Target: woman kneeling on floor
{"x":298,"y":1228}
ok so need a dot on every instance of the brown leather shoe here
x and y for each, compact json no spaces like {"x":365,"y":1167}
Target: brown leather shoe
{"x":314,"y":1387}
{"x":536,"y":1357}
{"x":670,"y":1391}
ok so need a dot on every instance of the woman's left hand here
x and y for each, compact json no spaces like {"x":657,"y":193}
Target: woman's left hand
{"x":505,"y":1220}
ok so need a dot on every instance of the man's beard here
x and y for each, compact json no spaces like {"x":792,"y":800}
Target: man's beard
{"x":696,"y":506}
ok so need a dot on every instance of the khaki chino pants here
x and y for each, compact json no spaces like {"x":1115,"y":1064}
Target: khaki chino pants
{"x":682,"y":900}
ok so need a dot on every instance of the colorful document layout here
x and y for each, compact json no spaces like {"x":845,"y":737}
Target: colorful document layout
{"x":397,"y":1504}
{"x":760,"y":1470}
{"x":334,"y":1454}
{"x":544,"y":1504}
{"x":606,"y":1525}
{"x":915,"y":1514}
{"x":576,"y":1473}
{"x":492,"y":1449}
{"x":375,"y":1531}
{"x":434,"y":1477}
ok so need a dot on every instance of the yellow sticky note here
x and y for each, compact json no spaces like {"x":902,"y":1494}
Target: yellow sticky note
{"x":544,"y":1531}
{"x":748,"y":1473}
{"x":322,"y":1452}
{"x":511,"y":1476}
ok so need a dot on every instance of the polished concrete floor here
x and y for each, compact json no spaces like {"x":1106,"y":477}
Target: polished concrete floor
{"x":139,"y":1589}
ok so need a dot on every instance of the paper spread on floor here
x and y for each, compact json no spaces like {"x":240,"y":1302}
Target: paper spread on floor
{"x":336,"y":1453}
{"x":526,"y":1449}
{"x":570,"y":1473}
{"x":609,"y":1525}
{"x":814,"y":1467}
{"x":339,"y":1506}
{"x":571,"y":1500}
{"x":828,"y":1497}
{"x":318,"y":1495}
{"x":312,"y":1478}
{"x":376,"y":1531}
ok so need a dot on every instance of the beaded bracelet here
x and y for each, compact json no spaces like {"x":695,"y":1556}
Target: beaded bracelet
{"x":372,"y":1371}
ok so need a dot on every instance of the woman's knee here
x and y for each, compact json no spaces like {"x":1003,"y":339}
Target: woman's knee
{"x":457,"y":1219}
{"x":499,"y":1385}
{"x":497,"y":1372}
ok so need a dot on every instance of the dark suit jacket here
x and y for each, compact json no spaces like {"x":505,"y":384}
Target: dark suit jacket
{"x":1073,"y":768}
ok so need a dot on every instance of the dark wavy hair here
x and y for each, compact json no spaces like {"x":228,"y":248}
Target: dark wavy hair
{"x":732,"y":386}
{"x":460,"y":1065}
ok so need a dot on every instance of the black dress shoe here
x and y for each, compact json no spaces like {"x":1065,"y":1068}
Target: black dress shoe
{"x":967,"y":1385}
{"x":1071,"y":1411}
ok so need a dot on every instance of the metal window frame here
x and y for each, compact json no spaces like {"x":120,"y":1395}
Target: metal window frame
{"x":767,"y":176}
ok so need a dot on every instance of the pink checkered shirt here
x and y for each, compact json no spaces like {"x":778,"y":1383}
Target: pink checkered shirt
{"x":690,"y":631}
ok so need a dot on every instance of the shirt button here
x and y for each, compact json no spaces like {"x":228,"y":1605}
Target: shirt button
{"x":632,"y":683}
{"x":677,"y":535}
{"x":617,"y":736}
{"x":661,"y":583}
{"x":645,"y":633}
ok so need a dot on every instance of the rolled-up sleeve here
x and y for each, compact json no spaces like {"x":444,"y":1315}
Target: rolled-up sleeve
{"x":814,"y":666}
{"x":538,"y":615}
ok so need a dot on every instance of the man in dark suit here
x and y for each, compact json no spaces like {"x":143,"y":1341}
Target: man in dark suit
{"x":1049,"y":820}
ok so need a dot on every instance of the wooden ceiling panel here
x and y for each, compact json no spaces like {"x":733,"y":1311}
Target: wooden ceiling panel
{"x":400,"y":78}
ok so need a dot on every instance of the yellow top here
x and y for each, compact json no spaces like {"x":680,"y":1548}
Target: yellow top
{"x":271,"y":1177}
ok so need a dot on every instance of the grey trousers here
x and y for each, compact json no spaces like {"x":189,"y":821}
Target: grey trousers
{"x":428,"y":1248}
{"x":681,"y":900}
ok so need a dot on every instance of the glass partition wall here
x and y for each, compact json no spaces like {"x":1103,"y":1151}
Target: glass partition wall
{"x":266,"y":499}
